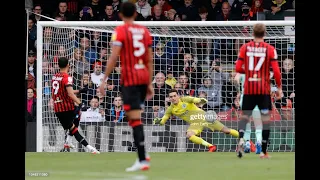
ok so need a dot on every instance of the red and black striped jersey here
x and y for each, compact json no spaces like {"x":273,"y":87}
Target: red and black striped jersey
{"x":257,"y":58}
{"x":135,"y":41}
{"x":61,"y":100}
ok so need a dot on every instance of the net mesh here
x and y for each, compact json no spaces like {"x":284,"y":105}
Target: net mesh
{"x":186,"y":58}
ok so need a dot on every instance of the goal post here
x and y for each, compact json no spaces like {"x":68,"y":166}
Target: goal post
{"x":190,"y":52}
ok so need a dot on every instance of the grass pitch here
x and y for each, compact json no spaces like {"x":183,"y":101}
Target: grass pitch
{"x":164,"y":166}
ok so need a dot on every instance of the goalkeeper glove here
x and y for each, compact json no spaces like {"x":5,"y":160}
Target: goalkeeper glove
{"x":203,"y":100}
{"x":157,"y":120}
{"x":200,"y":100}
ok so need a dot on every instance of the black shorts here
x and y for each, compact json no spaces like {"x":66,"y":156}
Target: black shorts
{"x":66,"y":119}
{"x":134,"y":97}
{"x":249,"y":102}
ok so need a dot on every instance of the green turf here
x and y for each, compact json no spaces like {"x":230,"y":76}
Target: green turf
{"x":164,"y":166}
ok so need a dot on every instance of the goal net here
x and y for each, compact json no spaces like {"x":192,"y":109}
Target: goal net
{"x":196,"y":58}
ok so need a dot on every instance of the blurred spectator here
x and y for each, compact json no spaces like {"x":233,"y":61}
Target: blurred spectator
{"x":246,"y":15}
{"x":93,"y":113}
{"x":116,"y":5}
{"x":97,"y":8}
{"x":48,"y":43}
{"x":79,"y":65}
{"x":187,"y":88}
{"x":203,"y":14}
{"x":214,"y":8}
{"x":111,"y":91}
{"x":165,"y":7}
{"x":171,"y":44}
{"x":46,"y":78}
{"x":160,"y":90}
{"x":225,"y":14}
{"x":37,"y":10}
{"x":63,"y":12}
{"x":192,"y":69}
{"x":162,"y":59}
{"x":109,"y":14}
{"x":97,"y":74}
{"x":236,"y":8}
{"x":60,"y":52}
{"x":170,"y":14}
{"x":87,"y":87}
{"x":97,"y":41}
{"x":31,"y":106}
{"x":116,"y":112}
{"x":279,"y":6}
{"x":154,"y":111}
{"x":217,"y":74}
{"x":170,"y":81}
{"x":229,"y":91}
{"x":86,"y":14}
{"x":157,"y":14}
{"x":144,"y":8}
{"x":213,"y":92}
{"x":188,"y":10}
{"x":89,"y":53}
{"x":256,"y":8}
{"x":32,"y":37}
{"x":32,"y":65}
{"x":178,"y":17}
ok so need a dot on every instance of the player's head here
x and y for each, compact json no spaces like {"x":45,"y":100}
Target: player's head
{"x":128,"y":10}
{"x":174,"y":96}
{"x":259,"y":30}
{"x":63,"y":63}
{"x":94,"y":103}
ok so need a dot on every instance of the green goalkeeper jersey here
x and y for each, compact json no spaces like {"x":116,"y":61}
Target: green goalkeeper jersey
{"x":185,"y":110}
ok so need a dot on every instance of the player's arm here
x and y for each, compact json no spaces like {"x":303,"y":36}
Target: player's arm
{"x":240,"y":60}
{"x":150,"y":56}
{"x":68,"y":82}
{"x":195,"y":100}
{"x":275,"y":66}
{"x":116,"y":40}
{"x":164,"y":118}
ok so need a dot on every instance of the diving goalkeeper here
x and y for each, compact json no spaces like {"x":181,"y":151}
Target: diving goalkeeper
{"x":186,"y":109}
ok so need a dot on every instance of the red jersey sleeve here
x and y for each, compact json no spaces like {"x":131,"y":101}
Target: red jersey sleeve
{"x":149,"y":38}
{"x":273,"y":55}
{"x":242,"y":52}
{"x":117,"y":37}
{"x":67,"y":80}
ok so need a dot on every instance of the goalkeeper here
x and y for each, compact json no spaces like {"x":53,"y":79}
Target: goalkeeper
{"x":185,"y":108}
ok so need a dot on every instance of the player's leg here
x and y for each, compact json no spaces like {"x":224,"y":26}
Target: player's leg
{"x":66,"y":120}
{"x":256,"y":116}
{"x":265,"y":108}
{"x":133,"y":99}
{"x":248,"y":105}
{"x":218,"y":126}
{"x":247,"y":132}
{"x":68,"y":137}
{"x":192,"y":134}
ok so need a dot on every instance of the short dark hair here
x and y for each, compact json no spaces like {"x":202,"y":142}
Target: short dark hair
{"x":127,"y":9}
{"x":63,"y":62}
{"x":173,"y":90}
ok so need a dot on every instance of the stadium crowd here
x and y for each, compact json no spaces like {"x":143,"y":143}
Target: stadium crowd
{"x":195,"y":67}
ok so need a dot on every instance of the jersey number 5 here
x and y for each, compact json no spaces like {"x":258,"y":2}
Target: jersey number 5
{"x":55,"y":87}
{"x":137,"y":44}
{"x":251,"y":56}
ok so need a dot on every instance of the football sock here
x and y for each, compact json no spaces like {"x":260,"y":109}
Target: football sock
{"x":247,"y":132}
{"x":197,"y":140}
{"x":242,"y":126}
{"x":265,"y":136}
{"x":259,"y":134}
{"x":78,"y":137}
{"x":138,"y":137}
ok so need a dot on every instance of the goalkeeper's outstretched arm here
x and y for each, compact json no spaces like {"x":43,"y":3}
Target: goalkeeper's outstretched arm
{"x":190,"y":99}
{"x":164,"y":118}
